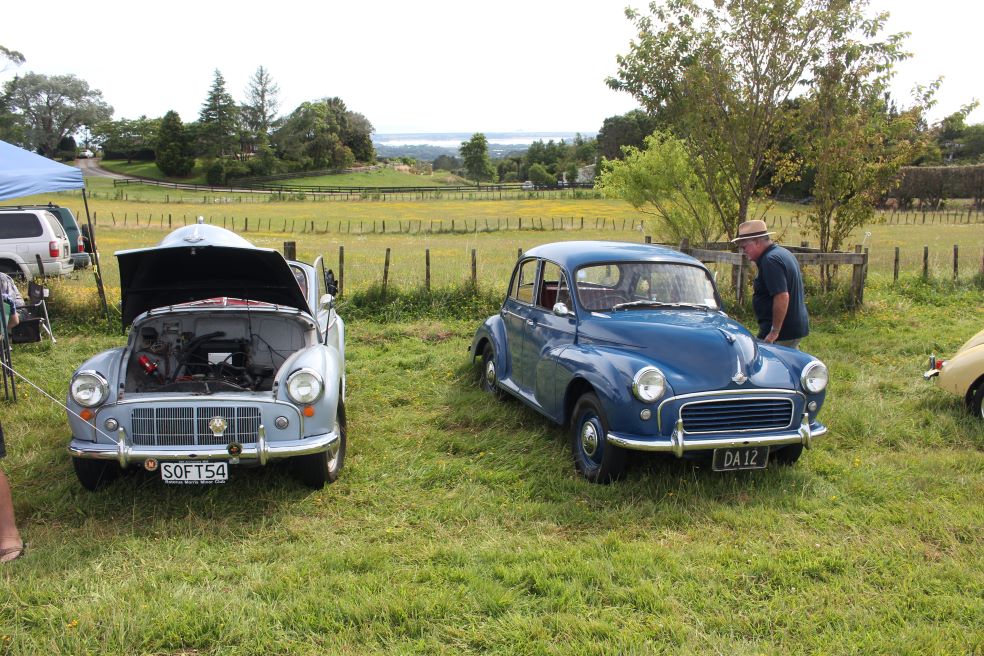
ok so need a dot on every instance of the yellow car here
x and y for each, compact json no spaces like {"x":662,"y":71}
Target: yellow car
{"x":963,"y":374}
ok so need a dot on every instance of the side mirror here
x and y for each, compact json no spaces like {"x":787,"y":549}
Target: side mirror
{"x":327,"y":302}
{"x":331,"y":285}
{"x":560,"y":309}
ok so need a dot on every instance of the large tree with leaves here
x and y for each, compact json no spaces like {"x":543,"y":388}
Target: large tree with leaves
{"x":50,"y":108}
{"x":850,"y":137}
{"x":313,"y":135}
{"x":175,"y":151}
{"x":259,"y":112}
{"x":218,"y":120}
{"x":475,"y":152}
{"x":719,"y":74}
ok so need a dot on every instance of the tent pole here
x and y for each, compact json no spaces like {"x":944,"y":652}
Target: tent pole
{"x":95,"y":255}
{"x":5,"y":362}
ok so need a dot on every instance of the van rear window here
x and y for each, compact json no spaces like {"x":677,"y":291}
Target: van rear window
{"x":56,"y":226}
{"x":19,"y":225}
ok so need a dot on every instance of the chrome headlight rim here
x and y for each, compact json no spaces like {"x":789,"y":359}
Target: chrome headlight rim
{"x":309,"y":372}
{"x":639,"y":387}
{"x":101,"y":384}
{"x":808,"y":376}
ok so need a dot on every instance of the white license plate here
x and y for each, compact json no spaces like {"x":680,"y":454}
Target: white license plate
{"x":194,"y":472}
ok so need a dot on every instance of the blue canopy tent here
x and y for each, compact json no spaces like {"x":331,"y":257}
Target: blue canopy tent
{"x":23,"y":173}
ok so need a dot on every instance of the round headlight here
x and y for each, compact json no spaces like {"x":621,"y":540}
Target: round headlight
{"x":815,"y":377}
{"x":649,"y":384}
{"x":89,"y":389}
{"x":304,"y":386}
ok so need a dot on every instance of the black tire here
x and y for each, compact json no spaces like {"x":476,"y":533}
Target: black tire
{"x":319,"y":469}
{"x":11,"y":270}
{"x":95,"y":474}
{"x":787,"y":455}
{"x":488,"y":376}
{"x":594,"y":457}
{"x":977,"y":401}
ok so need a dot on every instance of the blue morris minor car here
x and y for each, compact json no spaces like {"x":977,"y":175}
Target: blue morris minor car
{"x":235,"y":356}
{"x":628,"y":344}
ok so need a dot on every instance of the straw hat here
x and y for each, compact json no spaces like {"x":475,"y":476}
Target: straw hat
{"x":752,"y":230}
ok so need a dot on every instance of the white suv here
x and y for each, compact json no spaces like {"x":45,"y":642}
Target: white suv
{"x":29,"y":235}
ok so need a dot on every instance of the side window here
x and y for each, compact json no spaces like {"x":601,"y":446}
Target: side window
{"x":19,"y":225}
{"x":55,"y":224}
{"x":554,"y":287}
{"x":524,"y":282}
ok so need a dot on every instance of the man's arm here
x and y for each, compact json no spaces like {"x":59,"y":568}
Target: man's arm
{"x":780,"y":305}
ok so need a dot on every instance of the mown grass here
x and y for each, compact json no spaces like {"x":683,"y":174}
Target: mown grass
{"x":458,"y":525}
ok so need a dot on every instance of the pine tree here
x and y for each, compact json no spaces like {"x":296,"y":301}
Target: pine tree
{"x":218,"y":118}
{"x":175,"y":156}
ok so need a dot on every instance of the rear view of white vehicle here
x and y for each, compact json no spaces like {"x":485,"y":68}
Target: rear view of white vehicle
{"x":33,"y":242}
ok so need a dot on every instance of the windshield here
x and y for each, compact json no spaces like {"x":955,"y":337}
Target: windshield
{"x":631,"y":285}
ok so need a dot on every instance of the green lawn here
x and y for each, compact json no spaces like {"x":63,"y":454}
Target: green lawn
{"x":458,"y":525}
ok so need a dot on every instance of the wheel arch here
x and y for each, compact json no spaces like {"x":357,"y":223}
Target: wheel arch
{"x":577,"y":388}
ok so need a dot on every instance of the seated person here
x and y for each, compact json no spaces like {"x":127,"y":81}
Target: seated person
{"x":13,"y":302}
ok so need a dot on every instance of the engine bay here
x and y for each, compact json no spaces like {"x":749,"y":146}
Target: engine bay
{"x":211,"y":354}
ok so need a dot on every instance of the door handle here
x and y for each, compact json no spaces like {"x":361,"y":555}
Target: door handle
{"x":530,"y":323}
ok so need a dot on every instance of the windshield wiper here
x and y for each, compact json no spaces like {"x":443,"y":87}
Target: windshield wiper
{"x":660,"y":304}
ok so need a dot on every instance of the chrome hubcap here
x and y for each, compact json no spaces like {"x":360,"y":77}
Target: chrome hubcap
{"x":490,"y":374}
{"x":589,"y":438}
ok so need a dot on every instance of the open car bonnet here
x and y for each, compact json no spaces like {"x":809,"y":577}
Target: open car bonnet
{"x":202,"y":261}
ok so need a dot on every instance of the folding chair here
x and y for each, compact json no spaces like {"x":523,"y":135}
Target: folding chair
{"x":35,"y":317}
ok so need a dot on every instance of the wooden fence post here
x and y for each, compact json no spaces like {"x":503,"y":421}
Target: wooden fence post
{"x":956,"y":252}
{"x":649,"y":239}
{"x":386,"y":272}
{"x":290,"y":250}
{"x":895,"y":274}
{"x":519,"y":253}
{"x":857,"y":280}
{"x":925,"y":262}
{"x":474,"y":263}
{"x":427,"y":269}
{"x":738,"y":274}
{"x":341,"y":270}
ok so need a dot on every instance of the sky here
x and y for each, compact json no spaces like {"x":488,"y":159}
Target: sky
{"x":425,"y":66}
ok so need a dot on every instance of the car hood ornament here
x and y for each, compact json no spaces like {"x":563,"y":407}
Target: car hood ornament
{"x":739,"y":377}
{"x":218,"y":425}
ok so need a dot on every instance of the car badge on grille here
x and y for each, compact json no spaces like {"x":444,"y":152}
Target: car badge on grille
{"x":739,"y":376}
{"x":218,"y":425}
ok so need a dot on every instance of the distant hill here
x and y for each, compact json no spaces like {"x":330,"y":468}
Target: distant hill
{"x":428,"y":146}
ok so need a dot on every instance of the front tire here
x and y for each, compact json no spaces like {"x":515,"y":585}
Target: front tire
{"x":95,"y":474}
{"x":319,"y":469}
{"x":787,"y":455}
{"x":594,"y":457}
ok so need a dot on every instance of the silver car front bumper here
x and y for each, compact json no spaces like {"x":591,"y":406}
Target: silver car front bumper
{"x":262,"y":451}
{"x":679,"y":442}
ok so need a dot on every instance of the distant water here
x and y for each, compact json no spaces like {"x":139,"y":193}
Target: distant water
{"x":454,"y":139}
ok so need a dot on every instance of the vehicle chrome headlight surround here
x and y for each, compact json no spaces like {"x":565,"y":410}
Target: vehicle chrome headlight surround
{"x":305,"y":386}
{"x":649,"y":384}
{"x":89,"y":389}
{"x":815,"y":377}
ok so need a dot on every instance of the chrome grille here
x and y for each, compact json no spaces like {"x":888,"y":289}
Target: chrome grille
{"x":188,"y":425}
{"x":742,"y":414}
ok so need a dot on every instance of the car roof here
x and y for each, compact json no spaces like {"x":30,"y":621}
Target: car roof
{"x":574,"y":254}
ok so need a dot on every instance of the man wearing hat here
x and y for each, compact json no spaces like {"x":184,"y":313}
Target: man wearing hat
{"x":778,"y":296}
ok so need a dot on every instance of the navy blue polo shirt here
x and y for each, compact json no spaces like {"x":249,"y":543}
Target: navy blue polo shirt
{"x":778,"y":272}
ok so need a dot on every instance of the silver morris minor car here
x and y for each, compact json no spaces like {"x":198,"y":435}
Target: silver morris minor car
{"x":235,"y":357}
{"x":629,"y":346}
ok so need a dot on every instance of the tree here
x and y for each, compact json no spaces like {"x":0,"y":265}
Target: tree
{"x":446,"y":163}
{"x":128,"y":138}
{"x":661,"y":180}
{"x":175,"y":153}
{"x":630,"y":129}
{"x":357,"y":135}
{"x":260,"y":109}
{"x":475,"y":153}
{"x":539,"y":175}
{"x":12,"y":56}
{"x":719,"y":75}
{"x":850,"y":139}
{"x":52,"y":108}
{"x":312,"y":135}
{"x":218,"y":120}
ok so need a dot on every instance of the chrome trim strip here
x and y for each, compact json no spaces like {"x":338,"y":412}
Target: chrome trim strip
{"x":678,"y":444}
{"x":738,"y":393}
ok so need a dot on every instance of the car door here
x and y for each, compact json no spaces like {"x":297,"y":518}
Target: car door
{"x":515,"y":314}
{"x":547,"y":334}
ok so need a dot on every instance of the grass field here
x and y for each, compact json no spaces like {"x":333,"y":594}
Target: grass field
{"x":458,"y":525}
